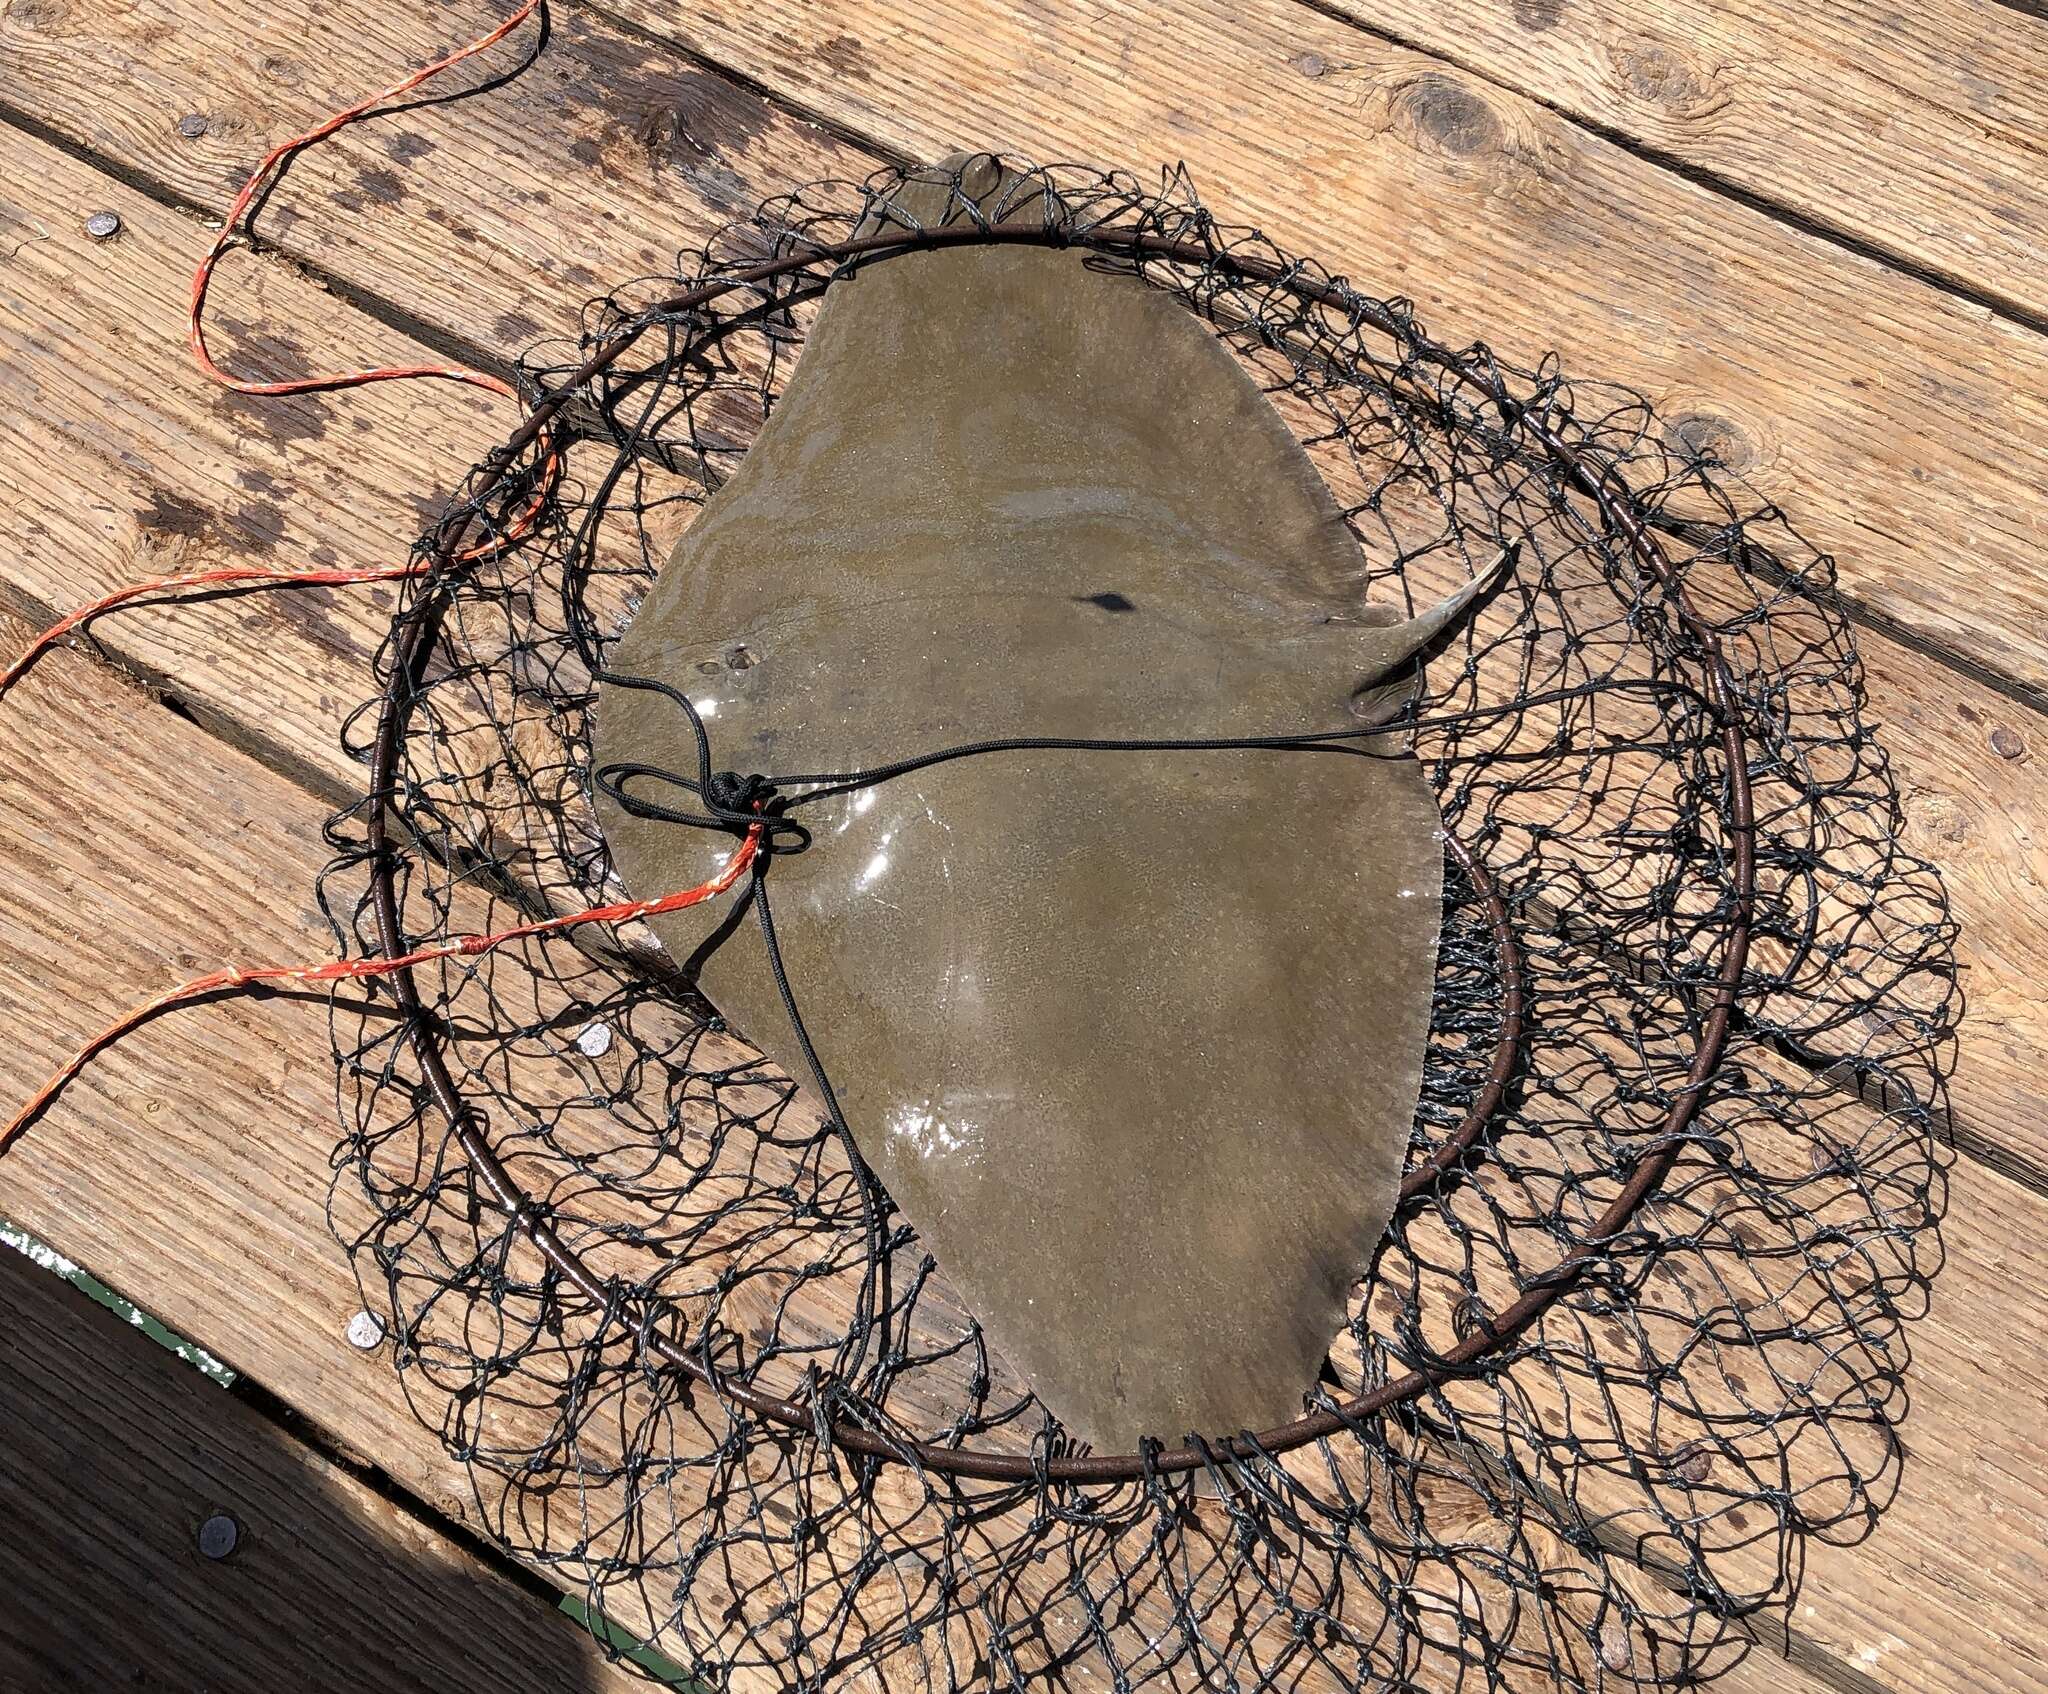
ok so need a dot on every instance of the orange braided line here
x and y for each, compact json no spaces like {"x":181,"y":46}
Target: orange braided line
{"x":261,"y":177}
{"x":202,"y":279}
{"x":191,"y":579}
{"x":342,"y":970}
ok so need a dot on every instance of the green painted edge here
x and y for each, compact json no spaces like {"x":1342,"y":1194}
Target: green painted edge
{"x":632,"y":1649}
{"x":41,"y":1253}
{"x":613,"y":1639}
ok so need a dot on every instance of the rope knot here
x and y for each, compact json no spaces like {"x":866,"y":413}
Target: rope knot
{"x":738,"y":796}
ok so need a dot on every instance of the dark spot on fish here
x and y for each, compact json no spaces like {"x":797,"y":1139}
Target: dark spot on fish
{"x":1109,"y":600}
{"x":1450,"y":115}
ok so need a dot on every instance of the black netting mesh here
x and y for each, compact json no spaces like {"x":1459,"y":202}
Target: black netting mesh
{"x":1591,"y":1500}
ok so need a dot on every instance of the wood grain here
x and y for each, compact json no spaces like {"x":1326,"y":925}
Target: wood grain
{"x":1980,"y":1378}
{"x":1901,"y":425}
{"x":206,"y":1202}
{"x":1923,"y":134}
{"x":489,"y":220}
{"x":172,"y":474}
{"x":116,"y":1453}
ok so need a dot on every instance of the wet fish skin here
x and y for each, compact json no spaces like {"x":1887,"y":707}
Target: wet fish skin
{"x":1134,"y":1040}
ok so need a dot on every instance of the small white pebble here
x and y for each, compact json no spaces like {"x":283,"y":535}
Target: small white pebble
{"x":365,"y":1330}
{"x":595,"y":1041}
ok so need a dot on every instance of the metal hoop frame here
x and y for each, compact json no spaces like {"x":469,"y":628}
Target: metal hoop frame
{"x":1617,"y":509}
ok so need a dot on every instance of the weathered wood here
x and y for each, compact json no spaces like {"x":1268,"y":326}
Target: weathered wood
{"x":491,"y":219}
{"x":1932,"y":1647}
{"x":1901,"y":425}
{"x":204,"y":1201}
{"x":1916,"y":132}
{"x":207,"y":1201}
{"x":123,"y":464}
{"x":116,"y":1453}
{"x":181,"y":476}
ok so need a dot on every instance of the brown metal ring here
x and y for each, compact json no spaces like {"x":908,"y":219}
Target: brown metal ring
{"x":1615,"y":503}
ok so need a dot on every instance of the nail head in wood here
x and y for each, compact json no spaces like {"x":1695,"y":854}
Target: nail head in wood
{"x":218,"y":1535}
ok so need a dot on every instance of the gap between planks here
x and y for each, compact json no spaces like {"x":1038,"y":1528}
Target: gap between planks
{"x":85,"y":1178}
{"x":1465,"y":42}
{"x":119,"y":1450}
{"x":308,"y":765}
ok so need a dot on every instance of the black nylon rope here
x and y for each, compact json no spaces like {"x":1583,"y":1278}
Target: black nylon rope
{"x":1717,"y":1382}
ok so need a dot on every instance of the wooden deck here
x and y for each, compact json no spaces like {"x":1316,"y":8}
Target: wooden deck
{"x":1816,"y":236}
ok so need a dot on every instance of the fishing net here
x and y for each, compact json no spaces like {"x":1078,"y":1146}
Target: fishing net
{"x":1635,"y":1333}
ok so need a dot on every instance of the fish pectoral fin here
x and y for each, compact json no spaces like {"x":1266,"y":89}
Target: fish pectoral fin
{"x":1393,"y":646}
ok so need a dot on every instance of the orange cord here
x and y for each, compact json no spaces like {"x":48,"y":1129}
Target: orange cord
{"x":192,"y":579}
{"x":343,"y":970}
{"x":231,"y":228}
{"x":336,"y":970}
{"x":259,"y":179}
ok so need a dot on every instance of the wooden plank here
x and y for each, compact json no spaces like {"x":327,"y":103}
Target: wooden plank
{"x":492,"y":219}
{"x":124,"y":465}
{"x":1918,"y":134}
{"x":116,"y":1453}
{"x":178,"y":1191}
{"x":94,"y":374}
{"x":205,"y":1201}
{"x":1901,"y":425}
